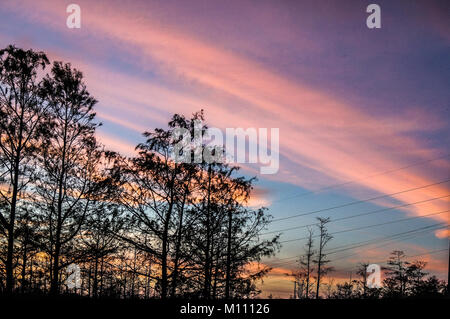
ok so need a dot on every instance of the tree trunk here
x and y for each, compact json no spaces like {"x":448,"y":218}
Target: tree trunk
{"x":177,"y":250}
{"x":95,"y":283}
{"x":54,"y":287}
{"x":164,"y":256}
{"x":228,"y":267}
{"x":165,"y":239}
{"x":207,"y":268}
{"x":101,"y":275}
{"x":319,"y":264}
{"x":12,"y":219}
{"x":24,"y":267}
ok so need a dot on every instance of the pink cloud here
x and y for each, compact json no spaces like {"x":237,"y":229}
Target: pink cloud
{"x":319,"y":132}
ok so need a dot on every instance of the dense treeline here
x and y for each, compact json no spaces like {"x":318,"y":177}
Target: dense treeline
{"x":78,"y":218}
{"x":402,"y":278}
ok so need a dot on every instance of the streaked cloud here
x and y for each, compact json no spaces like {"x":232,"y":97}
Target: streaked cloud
{"x":162,"y":66}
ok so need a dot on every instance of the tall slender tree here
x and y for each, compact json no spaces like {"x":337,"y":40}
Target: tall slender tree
{"x":146,"y":224}
{"x":68,"y":160}
{"x":21,"y":112}
{"x":307,"y":262}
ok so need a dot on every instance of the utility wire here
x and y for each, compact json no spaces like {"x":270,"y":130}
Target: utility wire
{"x":346,"y":256}
{"x":358,"y":215}
{"x":359,"y":201}
{"x":409,"y":234}
{"x":370,"y":226}
{"x":373,"y":241}
{"x":369,"y":242}
{"x":360,"y":179}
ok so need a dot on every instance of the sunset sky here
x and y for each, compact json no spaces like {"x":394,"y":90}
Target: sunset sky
{"x":359,"y":105}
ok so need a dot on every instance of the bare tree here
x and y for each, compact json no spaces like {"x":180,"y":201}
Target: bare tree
{"x":137,"y":225}
{"x":307,"y":261}
{"x":321,"y":260}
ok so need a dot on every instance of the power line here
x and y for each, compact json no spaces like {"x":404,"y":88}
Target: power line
{"x":343,"y":257}
{"x":362,"y":201}
{"x":410,"y":256}
{"x":420,"y":229}
{"x":360,"y":179}
{"x":358,"y":215}
{"x":358,"y":202}
{"x":370,"y":226}
{"x":387,"y":244}
{"x":372,"y":241}
{"x":390,"y":242}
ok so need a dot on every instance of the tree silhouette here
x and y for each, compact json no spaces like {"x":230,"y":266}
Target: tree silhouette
{"x":307,"y":262}
{"x":21,"y":111}
{"x":196,"y":216}
{"x":321,"y":260}
{"x":303,"y":276}
{"x":395,"y":284}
